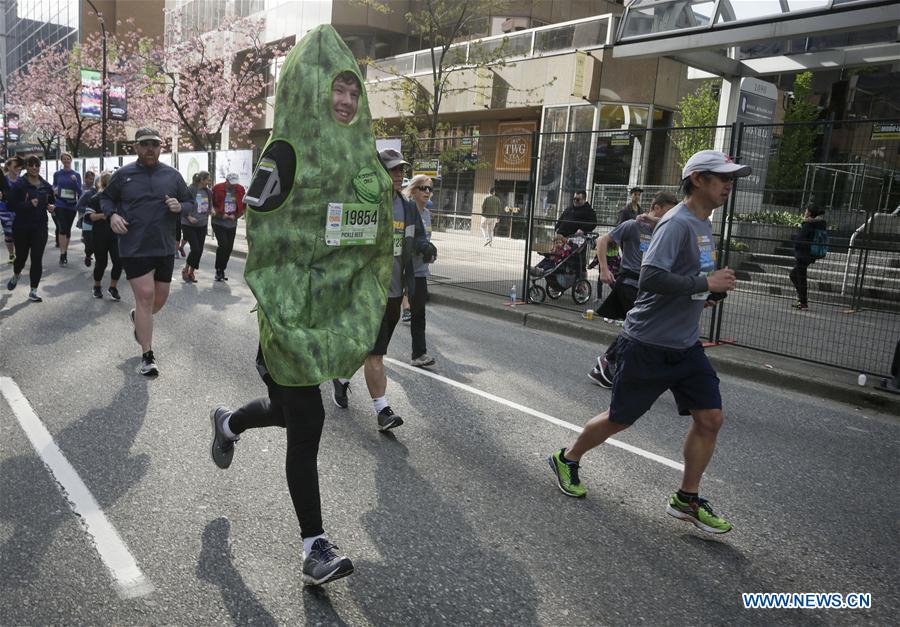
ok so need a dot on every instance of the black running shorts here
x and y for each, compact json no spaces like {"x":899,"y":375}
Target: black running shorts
{"x":162,"y":267}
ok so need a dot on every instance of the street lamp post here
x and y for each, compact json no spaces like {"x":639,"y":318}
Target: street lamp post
{"x":103,"y":104}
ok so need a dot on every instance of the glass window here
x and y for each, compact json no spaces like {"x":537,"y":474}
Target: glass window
{"x":578,"y":151}
{"x":581,"y":35}
{"x":551,"y":160}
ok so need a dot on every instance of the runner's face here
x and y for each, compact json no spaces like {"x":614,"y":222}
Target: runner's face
{"x":713,"y":188}
{"x":421,"y":195}
{"x":660,"y":210}
{"x":66,"y":161}
{"x":148,"y":152}
{"x":397,"y":177}
{"x":344,"y":101}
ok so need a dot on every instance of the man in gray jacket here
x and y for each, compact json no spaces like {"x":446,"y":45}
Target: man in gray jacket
{"x":143,"y":201}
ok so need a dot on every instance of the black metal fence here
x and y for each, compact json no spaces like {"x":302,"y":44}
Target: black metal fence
{"x":852,"y":169}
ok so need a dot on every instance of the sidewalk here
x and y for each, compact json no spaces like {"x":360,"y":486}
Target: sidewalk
{"x":793,"y":374}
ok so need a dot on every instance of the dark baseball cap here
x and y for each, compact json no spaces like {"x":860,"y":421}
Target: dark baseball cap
{"x":144,"y":134}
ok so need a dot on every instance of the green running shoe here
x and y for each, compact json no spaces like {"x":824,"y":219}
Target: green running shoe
{"x":699,"y":513}
{"x":566,"y":475}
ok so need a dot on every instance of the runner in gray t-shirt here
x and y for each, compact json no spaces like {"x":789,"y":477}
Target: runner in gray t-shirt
{"x":658,"y":349}
{"x":633,"y":239}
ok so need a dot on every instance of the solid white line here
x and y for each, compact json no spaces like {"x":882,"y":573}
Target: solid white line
{"x":129,"y":580}
{"x":537,"y":414}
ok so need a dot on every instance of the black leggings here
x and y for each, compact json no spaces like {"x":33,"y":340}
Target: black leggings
{"x":106,"y":244}
{"x":299,"y":411}
{"x":30,"y":241}
{"x":798,"y":278}
{"x":65,"y":218}
{"x":417,"y":322}
{"x":224,"y":245}
{"x":195,"y":236}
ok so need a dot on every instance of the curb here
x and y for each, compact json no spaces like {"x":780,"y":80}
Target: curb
{"x":782,"y":372}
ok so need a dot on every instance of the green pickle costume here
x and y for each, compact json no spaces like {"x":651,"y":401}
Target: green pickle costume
{"x":319,"y":224}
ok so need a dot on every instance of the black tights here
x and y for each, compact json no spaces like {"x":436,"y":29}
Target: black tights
{"x":30,"y":241}
{"x":298,"y":410}
{"x":417,"y":322}
{"x":195,"y":236}
{"x":798,"y":278}
{"x":106,"y":243}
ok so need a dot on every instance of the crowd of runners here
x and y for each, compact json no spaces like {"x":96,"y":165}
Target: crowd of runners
{"x":669,"y":274}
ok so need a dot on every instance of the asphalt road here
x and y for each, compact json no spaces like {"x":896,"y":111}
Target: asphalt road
{"x":452,"y":519}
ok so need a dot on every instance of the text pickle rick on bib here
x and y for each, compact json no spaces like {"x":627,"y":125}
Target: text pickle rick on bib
{"x":319,"y":226}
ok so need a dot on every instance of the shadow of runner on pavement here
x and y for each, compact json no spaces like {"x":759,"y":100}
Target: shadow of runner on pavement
{"x":433,"y":566}
{"x":97,"y":446}
{"x":216,"y":566}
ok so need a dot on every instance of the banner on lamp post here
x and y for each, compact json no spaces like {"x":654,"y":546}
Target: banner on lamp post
{"x":91,"y":93}
{"x":116,"y":98}
{"x":12,"y":128}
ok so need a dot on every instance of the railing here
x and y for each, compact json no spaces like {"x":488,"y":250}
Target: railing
{"x":584,"y":34}
{"x":863,"y":227}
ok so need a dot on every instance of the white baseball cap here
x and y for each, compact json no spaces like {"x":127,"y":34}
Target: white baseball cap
{"x":713,"y":161}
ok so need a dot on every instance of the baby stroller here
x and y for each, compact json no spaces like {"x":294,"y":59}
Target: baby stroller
{"x":561,"y":269}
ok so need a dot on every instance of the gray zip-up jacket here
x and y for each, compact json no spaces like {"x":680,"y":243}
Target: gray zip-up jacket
{"x":197,"y":211}
{"x":138,"y":194}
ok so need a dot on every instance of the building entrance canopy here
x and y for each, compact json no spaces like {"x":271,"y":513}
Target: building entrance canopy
{"x":733,"y":38}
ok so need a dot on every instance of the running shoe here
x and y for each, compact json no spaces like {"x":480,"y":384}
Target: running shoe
{"x":323,"y":564}
{"x":148,"y":365}
{"x":97,"y":292}
{"x":133,"y":328}
{"x":605,"y":370}
{"x":699,"y":513}
{"x":114,"y":293}
{"x":800,"y":306}
{"x":387,"y":419}
{"x":566,"y":475}
{"x":220,"y":276}
{"x":33,"y":296}
{"x":423,"y":361}
{"x":63,"y":259}
{"x":13,"y":282}
{"x":222,"y":449}
{"x":12,"y":258}
{"x":181,"y":252}
{"x":87,"y":261}
{"x":341,"y":390}
{"x":598,"y":379}
{"x":406,"y":316}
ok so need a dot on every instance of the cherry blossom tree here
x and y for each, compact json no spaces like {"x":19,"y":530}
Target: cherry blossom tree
{"x":46,"y":92}
{"x":212,"y":79}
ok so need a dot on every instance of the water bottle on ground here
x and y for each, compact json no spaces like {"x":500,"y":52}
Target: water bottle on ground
{"x":512,"y":296}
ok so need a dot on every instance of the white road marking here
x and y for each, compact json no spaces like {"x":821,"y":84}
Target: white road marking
{"x":537,"y":414}
{"x":129,"y":581}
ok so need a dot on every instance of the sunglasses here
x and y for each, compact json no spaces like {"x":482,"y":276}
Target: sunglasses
{"x":424,"y":188}
{"x":149,"y":142}
{"x":725,"y":178}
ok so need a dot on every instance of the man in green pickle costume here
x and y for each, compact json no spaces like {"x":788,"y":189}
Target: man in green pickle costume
{"x":319,"y":264}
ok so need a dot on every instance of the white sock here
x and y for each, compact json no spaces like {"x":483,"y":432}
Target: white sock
{"x":344,"y":381}
{"x":308,"y":542}
{"x":379,"y":403}
{"x":226,"y":429}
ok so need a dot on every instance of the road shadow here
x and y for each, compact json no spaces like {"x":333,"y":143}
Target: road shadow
{"x":97,"y":446}
{"x":216,"y":566}
{"x":433,"y":567}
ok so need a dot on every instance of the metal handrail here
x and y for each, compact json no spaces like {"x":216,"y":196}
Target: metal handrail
{"x":861,"y":228}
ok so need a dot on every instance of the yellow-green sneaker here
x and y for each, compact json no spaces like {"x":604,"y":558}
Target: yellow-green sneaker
{"x":698,"y":512}
{"x":566,"y":475}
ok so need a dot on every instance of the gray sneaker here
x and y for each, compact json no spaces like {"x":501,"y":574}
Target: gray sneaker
{"x":323,"y":564}
{"x":222,"y":449}
{"x":387,"y":419}
{"x":340,"y":393}
{"x":423,"y":361}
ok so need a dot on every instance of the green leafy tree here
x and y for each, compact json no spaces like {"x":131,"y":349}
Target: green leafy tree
{"x":698,"y":109}
{"x":796,"y":147}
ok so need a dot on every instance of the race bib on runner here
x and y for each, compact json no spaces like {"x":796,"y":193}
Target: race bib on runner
{"x":67,"y":194}
{"x":230,"y":205}
{"x":351,"y":224}
{"x":399,"y":234}
{"x":202,"y":203}
{"x":707,"y":251}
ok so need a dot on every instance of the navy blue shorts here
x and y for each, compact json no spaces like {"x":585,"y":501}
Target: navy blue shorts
{"x":644,"y":372}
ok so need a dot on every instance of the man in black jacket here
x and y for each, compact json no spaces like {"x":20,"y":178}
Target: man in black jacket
{"x":813,"y":220}
{"x":579,"y":216}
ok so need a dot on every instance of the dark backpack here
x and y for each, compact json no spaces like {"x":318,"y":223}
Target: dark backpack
{"x":818,"y":248}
